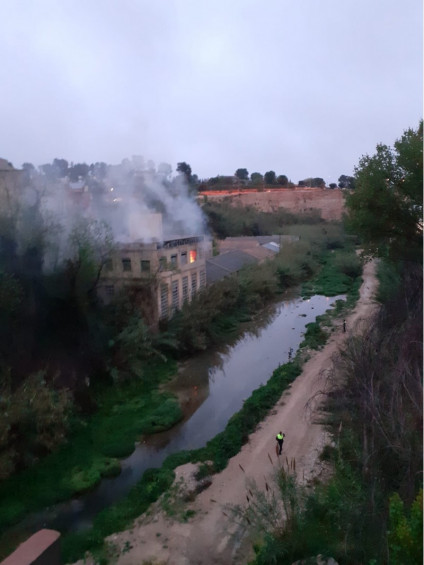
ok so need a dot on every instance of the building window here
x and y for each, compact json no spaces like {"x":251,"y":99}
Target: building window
{"x":201,"y":252}
{"x":185,"y":289}
{"x":109,"y":265}
{"x":145,"y":266}
{"x":173,"y":261}
{"x":162,"y":264}
{"x":109,"y":290}
{"x":202,"y":278}
{"x":192,"y":255}
{"x":164,"y":301}
{"x":183,"y":258}
{"x":175,"y":296}
{"x":126,"y":264}
{"x":193,"y":283}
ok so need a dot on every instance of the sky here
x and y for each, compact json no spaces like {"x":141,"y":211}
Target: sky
{"x":300,"y":87}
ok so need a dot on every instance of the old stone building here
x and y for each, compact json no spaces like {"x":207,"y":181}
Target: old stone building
{"x":11,"y":186}
{"x":166,"y":272}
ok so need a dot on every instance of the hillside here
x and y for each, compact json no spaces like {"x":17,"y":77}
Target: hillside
{"x":331,"y":203}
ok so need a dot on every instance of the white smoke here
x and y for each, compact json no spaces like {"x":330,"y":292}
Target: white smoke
{"x":137,"y":204}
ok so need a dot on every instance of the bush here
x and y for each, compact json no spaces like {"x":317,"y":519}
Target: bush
{"x":166,"y":415}
{"x":34,"y":420}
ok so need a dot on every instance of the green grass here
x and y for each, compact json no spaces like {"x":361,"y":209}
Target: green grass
{"x":339,"y":271}
{"x":156,"y":481}
{"x":124,"y":413}
{"x":217,"y":451}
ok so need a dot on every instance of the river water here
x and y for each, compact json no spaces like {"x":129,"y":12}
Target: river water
{"x":212,"y":387}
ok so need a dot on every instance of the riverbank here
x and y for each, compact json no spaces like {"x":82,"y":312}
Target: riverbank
{"x":207,"y":537}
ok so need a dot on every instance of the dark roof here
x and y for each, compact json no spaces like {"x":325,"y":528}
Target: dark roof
{"x":227,"y":263}
{"x":261,"y":239}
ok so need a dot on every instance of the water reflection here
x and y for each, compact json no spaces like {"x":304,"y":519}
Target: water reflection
{"x":211,"y":387}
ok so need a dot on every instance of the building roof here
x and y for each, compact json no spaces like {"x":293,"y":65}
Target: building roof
{"x":227,"y":263}
{"x":247,"y":243}
{"x":6,"y":165}
{"x":272,"y":246}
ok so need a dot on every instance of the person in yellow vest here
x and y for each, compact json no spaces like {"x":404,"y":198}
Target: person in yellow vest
{"x":280,"y":439}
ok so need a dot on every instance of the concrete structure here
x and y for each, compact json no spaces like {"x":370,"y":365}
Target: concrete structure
{"x":43,"y":548}
{"x":167,"y":272}
{"x":11,"y":186}
{"x":225,"y":264}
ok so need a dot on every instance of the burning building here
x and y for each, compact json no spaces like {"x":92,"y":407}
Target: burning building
{"x":165,"y":272}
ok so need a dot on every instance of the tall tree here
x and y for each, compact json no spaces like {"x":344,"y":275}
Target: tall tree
{"x":346,"y":181}
{"x":242,"y":174}
{"x":386,"y":208}
{"x":256,"y":178}
{"x":269,"y":177}
{"x":283,"y":180}
{"x":77,"y":171}
{"x":164,"y":169}
{"x":185,"y":169}
{"x":61,"y":166}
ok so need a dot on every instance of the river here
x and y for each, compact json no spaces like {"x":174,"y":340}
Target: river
{"x":212,"y":387}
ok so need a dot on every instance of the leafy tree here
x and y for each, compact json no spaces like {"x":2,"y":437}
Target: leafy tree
{"x":49,"y":171}
{"x":77,"y":171}
{"x":318,"y":182}
{"x":242,"y":174}
{"x":346,"y":182}
{"x":385,"y":209}
{"x":164,"y":169}
{"x":185,"y":169}
{"x":269,"y":177}
{"x":283,"y":180}
{"x":99,"y":170}
{"x":61,"y":166}
{"x":256,"y":178}
{"x":332,"y":185}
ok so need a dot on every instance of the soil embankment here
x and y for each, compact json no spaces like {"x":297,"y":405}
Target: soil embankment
{"x":209,"y":537}
{"x":330,"y":203}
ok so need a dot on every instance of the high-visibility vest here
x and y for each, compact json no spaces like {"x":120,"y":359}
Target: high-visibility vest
{"x":279,"y":436}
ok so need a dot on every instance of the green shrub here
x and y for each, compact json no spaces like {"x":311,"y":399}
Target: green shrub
{"x":166,"y":415}
{"x":406,"y":531}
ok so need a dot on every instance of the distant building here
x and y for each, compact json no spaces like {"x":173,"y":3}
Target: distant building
{"x":226,"y":264}
{"x":78,"y":193}
{"x":237,"y":252}
{"x":166,"y":273}
{"x":11,"y":186}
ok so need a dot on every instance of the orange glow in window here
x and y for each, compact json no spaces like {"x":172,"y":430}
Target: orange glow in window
{"x":192,"y":256}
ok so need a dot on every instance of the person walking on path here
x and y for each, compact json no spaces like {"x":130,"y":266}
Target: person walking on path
{"x":344,"y":326}
{"x":280,"y":440}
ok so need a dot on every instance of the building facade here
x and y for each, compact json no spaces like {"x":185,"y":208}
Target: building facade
{"x":170,"y":272}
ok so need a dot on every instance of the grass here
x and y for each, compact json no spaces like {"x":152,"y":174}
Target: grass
{"x":138,"y":408}
{"x":125,"y":413}
{"x":212,"y":458}
{"x":156,"y":481}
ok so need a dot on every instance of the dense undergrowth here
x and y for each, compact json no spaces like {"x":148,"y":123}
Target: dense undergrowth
{"x":133,"y":407}
{"x":370,"y":510}
{"x":212,"y":458}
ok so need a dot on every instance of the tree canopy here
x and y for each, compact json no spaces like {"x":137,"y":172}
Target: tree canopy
{"x":185,"y":169}
{"x":385,"y":209}
{"x":346,"y":181}
{"x":242,"y":174}
{"x":269,"y":177}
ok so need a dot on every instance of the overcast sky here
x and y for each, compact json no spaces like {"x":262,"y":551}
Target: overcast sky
{"x":301,"y":87}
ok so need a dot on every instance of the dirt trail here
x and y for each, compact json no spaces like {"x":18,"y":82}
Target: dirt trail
{"x":209,"y":537}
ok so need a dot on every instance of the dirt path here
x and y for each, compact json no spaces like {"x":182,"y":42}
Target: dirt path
{"x":209,"y":537}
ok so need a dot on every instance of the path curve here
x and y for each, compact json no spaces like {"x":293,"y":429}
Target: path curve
{"x":209,"y":538}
